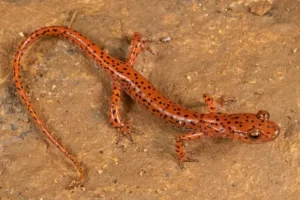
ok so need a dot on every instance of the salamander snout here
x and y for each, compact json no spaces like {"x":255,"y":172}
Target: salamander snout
{"x":263,"y":130}
{"x":255,"y":128}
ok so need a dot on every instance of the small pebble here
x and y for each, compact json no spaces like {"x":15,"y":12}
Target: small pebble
{"x":13,"y":127}
{"x":22,"y":136}
{"x":21,"y":34}
{"x":26,"y":120}
{"x":165,"y":39}
{"x":189,"y":78}
{"x":259,"y":7}
{"x":159,"y":191}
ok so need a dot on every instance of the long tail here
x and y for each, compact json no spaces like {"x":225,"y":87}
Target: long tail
{"x":77,"y":39}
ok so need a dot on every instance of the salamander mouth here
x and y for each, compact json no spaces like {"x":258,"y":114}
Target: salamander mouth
{"x":276,"y":133}
{"x":241,"y":134}
{"x":253,"y":136}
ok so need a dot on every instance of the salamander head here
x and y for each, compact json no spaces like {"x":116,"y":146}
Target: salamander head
{"x":251,"y":128}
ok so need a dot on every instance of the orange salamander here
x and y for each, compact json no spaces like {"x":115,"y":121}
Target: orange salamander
{"x":245,"y":127}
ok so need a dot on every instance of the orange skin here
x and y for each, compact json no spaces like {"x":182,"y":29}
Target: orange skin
{"x":245,"y":127}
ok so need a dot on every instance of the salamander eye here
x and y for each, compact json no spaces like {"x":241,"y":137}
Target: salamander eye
{"x":263,"y":115}
{"x":254,"y":134}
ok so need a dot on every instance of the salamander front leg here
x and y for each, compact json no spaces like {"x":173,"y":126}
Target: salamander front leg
{"x":124,"y":127}
{"x":209,"y":102}
{"x":138,"y":44}
{"x":181,"y":155}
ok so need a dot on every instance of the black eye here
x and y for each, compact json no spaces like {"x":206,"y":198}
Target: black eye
{"x":254,"y":134}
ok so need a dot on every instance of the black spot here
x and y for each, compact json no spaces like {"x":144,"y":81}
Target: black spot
{"x":191,"y":122}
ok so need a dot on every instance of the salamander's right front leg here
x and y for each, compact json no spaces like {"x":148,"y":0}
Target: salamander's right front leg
{"x":209,"y":102}
{"x":138,"y":44}
{"x":124,"y":127}
{"x":181,"y":155}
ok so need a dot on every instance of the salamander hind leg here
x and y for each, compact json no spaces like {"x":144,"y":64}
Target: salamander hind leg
{"x":181,"y":155}
{"x":138,"y":44}
{"x":124,"y":127}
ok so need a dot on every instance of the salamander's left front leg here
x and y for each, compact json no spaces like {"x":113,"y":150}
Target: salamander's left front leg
{"x":181,"y":155}
{"x":124,"y":127}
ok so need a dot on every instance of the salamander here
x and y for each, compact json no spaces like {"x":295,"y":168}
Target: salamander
{"x":245,"y":127}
